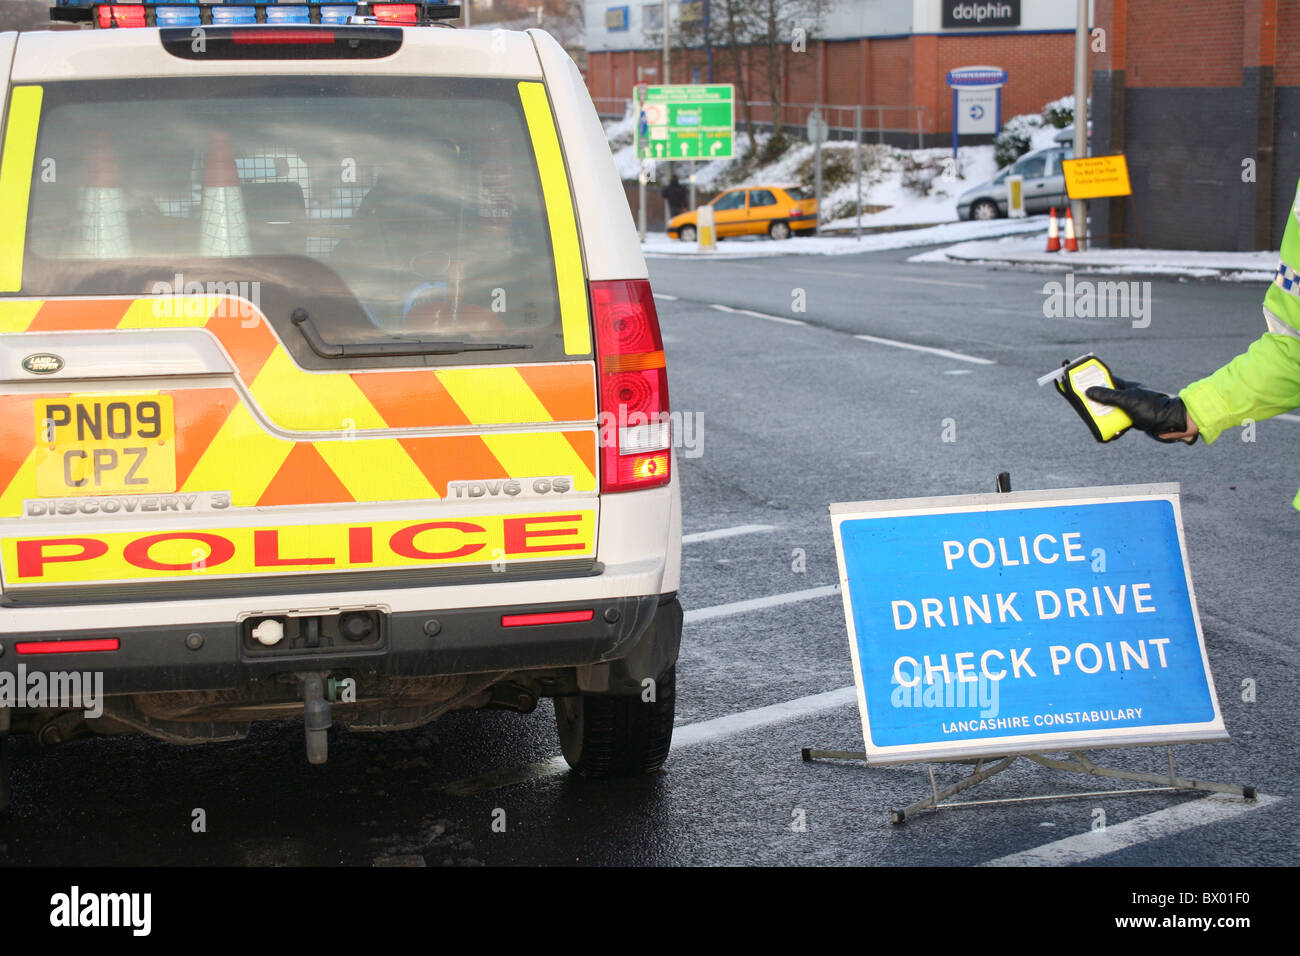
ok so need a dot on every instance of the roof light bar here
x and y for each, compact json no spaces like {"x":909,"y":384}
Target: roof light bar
{"x":162,"y":13}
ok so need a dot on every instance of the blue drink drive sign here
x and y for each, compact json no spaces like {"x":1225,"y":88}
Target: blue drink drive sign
{"x":994,"y":624}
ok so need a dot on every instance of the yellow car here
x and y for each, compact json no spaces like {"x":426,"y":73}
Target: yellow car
{"x":777,"y":211}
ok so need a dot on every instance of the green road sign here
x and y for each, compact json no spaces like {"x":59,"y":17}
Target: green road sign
{"x":690,"y":121}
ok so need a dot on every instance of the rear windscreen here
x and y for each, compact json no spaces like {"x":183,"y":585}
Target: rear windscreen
{"x":381,"y":207}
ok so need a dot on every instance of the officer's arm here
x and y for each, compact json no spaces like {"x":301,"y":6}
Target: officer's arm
{"x":1265,"y":379}
{"x":1261,"y":382}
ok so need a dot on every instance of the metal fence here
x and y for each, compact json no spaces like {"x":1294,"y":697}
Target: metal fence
{"x":898,"y":125}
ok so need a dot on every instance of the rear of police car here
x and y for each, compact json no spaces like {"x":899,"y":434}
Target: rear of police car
{"x":331,"y":384}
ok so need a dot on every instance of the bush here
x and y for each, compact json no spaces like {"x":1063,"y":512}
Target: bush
{"x":1059,"y":113}
{"x":837,"y":168}
{"x":1014,"y":140}
{"x":1008,"y":147}
{"x":773,"y":149}
{"x":919,"y":174}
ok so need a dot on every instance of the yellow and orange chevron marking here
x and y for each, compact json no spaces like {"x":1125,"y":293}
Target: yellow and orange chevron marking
{"x":299,"y":400}
{"x":221,"y":446}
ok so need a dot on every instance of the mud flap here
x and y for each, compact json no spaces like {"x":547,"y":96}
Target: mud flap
{"x":653,"y":654}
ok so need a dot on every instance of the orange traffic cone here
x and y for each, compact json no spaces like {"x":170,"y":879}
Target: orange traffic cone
{"x":102,"y":230}
{"x":223,"y":224}
{"x":1071,"y":244}
{"x":1053,"y":234}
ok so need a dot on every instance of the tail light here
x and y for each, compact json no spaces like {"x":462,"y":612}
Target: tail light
{"x":796,"y":212}
{"x":632,"y":381}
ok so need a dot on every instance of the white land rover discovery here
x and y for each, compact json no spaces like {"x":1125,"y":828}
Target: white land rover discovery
{"x":331,"y":384}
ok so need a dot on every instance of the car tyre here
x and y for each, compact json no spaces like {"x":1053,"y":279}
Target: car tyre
{"x":686,"y":234}
{"x":618,"y":736}
{"x":779,"y":230}
{"x":985,"y":209}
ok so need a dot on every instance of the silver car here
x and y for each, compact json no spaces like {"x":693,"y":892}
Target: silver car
{"x":1044,"y":186}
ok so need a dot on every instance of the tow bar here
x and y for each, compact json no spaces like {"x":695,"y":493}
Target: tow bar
{"x":316,"y":716}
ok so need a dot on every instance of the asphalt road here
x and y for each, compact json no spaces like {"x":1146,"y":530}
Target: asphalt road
{"x":789,"y":417}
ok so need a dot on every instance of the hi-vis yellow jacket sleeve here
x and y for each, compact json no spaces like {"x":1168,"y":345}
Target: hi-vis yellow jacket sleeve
{"x":1265,"y":379}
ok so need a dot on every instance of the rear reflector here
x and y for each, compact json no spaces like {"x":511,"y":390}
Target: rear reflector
{"x":549,"y":617}
{"x":66,"y":647}
{"x":635,"y":434}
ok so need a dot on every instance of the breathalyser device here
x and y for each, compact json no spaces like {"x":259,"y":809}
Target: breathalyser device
{"x":1073,"y":379}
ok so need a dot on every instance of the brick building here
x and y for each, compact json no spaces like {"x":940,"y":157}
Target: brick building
{"x":882,"y":53}
{"x":1204,"y":98}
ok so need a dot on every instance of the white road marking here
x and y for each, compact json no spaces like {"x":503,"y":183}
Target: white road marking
{"x":699,"y":614}
{"x":926,"y":348}
{"x":1151,"y":826}
{"x":665,"y":296}
{"x":771,"y":318}
{"x":726,"y":532}
{"x":888,"y":278}
{"x":1288,"y":418}
{"x":763,"y":716}
{"x":830,"y":272}
{"x":967,"y":285}
{"x":683,"y":736}
{"x":757,"y":315}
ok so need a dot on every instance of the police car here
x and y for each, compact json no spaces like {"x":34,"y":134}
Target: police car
{"x":332,"y":384}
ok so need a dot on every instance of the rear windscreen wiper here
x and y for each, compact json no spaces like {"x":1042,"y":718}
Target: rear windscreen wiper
{"x":398,"y":346}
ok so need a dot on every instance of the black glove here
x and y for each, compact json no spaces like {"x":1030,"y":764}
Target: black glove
{"x":1152,"y":412}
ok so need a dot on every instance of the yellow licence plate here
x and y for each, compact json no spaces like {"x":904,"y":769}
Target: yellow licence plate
{"x":105,"y":444}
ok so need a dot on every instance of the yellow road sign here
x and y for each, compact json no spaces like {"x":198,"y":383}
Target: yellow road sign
{"x":1097,"y":176}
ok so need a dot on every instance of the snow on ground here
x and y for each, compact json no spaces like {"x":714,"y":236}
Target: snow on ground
{"x":1232,"y":266}
{"x":658,"y":245}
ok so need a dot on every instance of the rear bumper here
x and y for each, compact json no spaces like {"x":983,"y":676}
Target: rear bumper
{"x":216,"y":656}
